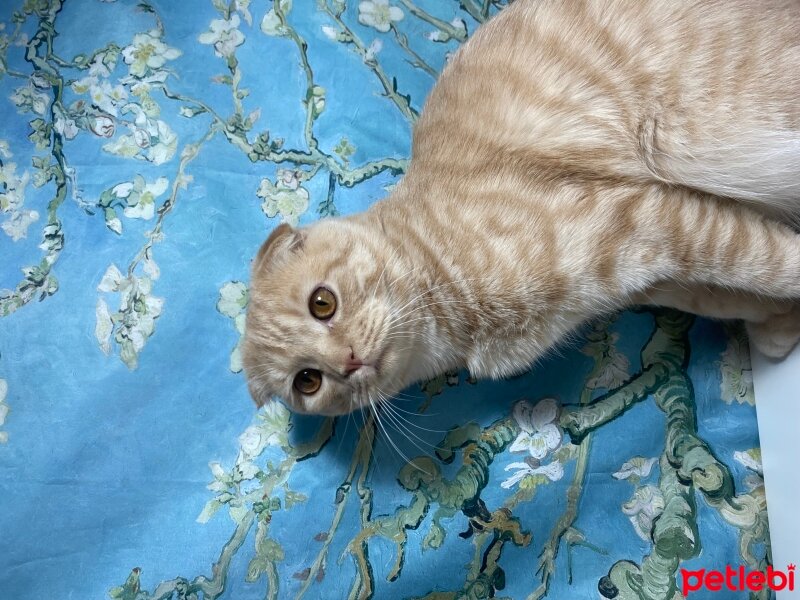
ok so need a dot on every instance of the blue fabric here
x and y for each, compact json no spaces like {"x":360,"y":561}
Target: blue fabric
{"x":147,"y":149}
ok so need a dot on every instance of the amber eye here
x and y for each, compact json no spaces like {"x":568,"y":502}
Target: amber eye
{"x":308,"y":381}
{"x":322,"y":303}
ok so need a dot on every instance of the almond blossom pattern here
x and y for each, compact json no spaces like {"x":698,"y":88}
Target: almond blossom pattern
{"x":540,"y":434}
{"x":148,"y":53}
{"x":224,"y":36}
{"x":147,"y":149}
{"x":12,"y":198}
{"x":636,"y":469}
{"x":379,"y":14}
{"x":553,"y":471}
{"x":643,"y":509}
{"x":233,"y":298}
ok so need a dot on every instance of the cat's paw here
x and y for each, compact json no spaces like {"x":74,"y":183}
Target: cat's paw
{"x":778,"y":335}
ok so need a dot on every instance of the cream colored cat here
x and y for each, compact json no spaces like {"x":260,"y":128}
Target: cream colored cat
{"x":575,"y":157}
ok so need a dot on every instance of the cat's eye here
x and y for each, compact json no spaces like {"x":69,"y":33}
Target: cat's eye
{"x":308,"y":381}
{"x":322,"y":303}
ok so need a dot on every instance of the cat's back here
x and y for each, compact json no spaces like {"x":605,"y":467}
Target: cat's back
{"x":583,"y":86}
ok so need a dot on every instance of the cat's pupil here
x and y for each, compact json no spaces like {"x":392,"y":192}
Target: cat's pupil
{"x":308,"y":381}
{"x":322,"y":304}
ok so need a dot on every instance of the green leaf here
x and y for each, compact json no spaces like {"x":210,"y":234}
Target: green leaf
{"x":113,"y":221}
{"x":237,"y":512}
{"x":41,"y":134}
{"x":209,"y":510}
{"x":291,"y":498}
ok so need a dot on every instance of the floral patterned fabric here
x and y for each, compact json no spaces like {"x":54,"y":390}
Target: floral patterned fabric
{"x":146,"y":150}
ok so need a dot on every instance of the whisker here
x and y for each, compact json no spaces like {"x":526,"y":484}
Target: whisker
{"x":385,"y":432}
{"x":400,"y":425}
{"x":429,"y":290}
{"x":416,"y":414}
{"x":393,"y":410}
{"x":401,"y":276}
{"x":386,"y":264}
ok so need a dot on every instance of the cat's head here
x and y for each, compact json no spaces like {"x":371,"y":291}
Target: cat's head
{"x":320,"y":304}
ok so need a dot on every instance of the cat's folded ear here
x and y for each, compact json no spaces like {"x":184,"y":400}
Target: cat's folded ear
{"x":283,"y":240}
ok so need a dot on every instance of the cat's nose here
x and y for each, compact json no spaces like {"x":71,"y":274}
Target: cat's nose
{"x":352,"y":364}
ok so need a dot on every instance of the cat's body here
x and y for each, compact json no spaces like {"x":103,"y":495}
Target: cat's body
{"x":570,"y":161}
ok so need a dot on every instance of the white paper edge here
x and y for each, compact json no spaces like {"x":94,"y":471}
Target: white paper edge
{"x":777,"y":393}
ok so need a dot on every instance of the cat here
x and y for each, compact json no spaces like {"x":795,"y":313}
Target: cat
{"x":575,"y":157}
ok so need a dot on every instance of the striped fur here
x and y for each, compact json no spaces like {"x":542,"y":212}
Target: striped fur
{"x":575,"y":157}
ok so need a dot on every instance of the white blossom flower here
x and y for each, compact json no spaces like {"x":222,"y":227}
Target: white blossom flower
{"x":443,"y":36}
{"x":102,"y":126}
{"x":166,"y":143}
{"x":28,"y":99}
{"x":271,"y":23}
{"x":647,"y":504}
{"x":14,"y":195}
{"x":289,"y":178}
{"x":330,"y":32}
{"x":39,"y":81}
{"x":540,"y":435}
{"x":216,"y":470}
{"x":224,"y":36}
{"x":140,"y":196}
{"x":115,"y":225}
{"x":236,"y":365}
{"x":104,"y":326}
{"x":233,"y":298}
{"x":147,"y":53}
{"x":636,"y":468}
{"x":12,"y":199}
{"x":102,"y":65}
{"x":153,"y":136}
{"x":285,"y":197}
{"x":83,"y":85}
{"x":16,"y":225}
{"x":752,"y":460}
{"x":134,"y":322}
{"x":437,"y":36}
{"x":244,"y":469}
{"x":379,"y":14}
{"x":373,"y":49}
{"x":459,"y":24}
{"x":219,"y":484}
{"x":150,"y":268}
{"x":141,"y":86}
{"x":144,"y":321}
{"x":272,"y":431}
{"x":107,"y":97}
{"x":552,"y":471}
{"x":112,"y":280}
{"x":66,"y":127}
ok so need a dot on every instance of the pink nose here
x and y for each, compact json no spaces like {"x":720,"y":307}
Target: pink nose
{"x":352,"y":365}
